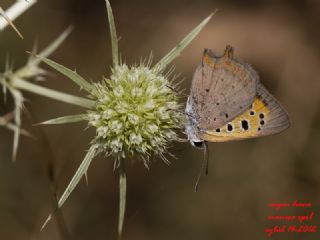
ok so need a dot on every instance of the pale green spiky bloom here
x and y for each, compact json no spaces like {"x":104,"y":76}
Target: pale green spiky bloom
{"x":14,"y":81}
{"x":135,"y":111}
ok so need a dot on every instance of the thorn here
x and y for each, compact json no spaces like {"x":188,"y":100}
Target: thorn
{"x":214,"y":12}
{"x":27,"y":134}
{"x":34,"y":50}
{"x":86,"y":177}
{"x":37,"y":124}
{"x":196,"y":187}
{"x":46,"y":222}
{"x":14,"y":156}
{"x":31,"y":53}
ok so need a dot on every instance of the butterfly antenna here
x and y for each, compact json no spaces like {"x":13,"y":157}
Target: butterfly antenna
{"x":177,"y":91}
{"x":205,"y":165}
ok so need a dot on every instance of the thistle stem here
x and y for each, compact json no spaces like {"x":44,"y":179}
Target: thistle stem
{"x":13,"y":12}
{"x":122,"y":195}
{"x":56,"y":95}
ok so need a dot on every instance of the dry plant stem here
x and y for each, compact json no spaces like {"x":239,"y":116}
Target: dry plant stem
{"x":122,"y":196}
{"x":3,"y":13}
{"x":13,"y":12}
{"x":46,"y":92}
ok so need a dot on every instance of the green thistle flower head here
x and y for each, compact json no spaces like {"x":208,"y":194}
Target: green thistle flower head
{"x":136,"y":112}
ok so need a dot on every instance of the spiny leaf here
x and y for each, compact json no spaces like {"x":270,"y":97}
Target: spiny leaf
{"x":13,"y":127}
{"x":60,"y":96}
{"x":83,"y":168}
{"x":51,"y":48}
{"x":175,"y":52}
{"x":73,"y":75}
{"x":65,"y":119}
{"x":113,"y":34}
{"x":18,"y":101}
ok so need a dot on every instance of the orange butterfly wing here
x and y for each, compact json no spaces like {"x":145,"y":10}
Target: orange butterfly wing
{"x":265,"y":117}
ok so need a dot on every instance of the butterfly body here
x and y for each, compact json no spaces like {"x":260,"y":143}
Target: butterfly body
{"x":227,"y":102}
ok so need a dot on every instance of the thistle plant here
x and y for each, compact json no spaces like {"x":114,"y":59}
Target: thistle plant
{"x":6,"y":19}
{"x":13,"y":81}
{"x":135,"y":111}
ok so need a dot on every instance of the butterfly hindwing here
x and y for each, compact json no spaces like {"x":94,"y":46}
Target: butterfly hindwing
{"x":265,"y":117}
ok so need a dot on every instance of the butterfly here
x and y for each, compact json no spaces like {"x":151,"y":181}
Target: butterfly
{"x":228,"y":102}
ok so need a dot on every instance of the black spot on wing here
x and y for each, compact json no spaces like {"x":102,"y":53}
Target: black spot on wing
{"x":245,"y":125}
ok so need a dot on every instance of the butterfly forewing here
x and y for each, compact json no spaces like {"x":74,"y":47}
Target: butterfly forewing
{"x":222,"y":88}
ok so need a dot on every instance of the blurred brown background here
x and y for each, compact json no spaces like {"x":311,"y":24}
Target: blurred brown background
{"x":279,"y":38}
